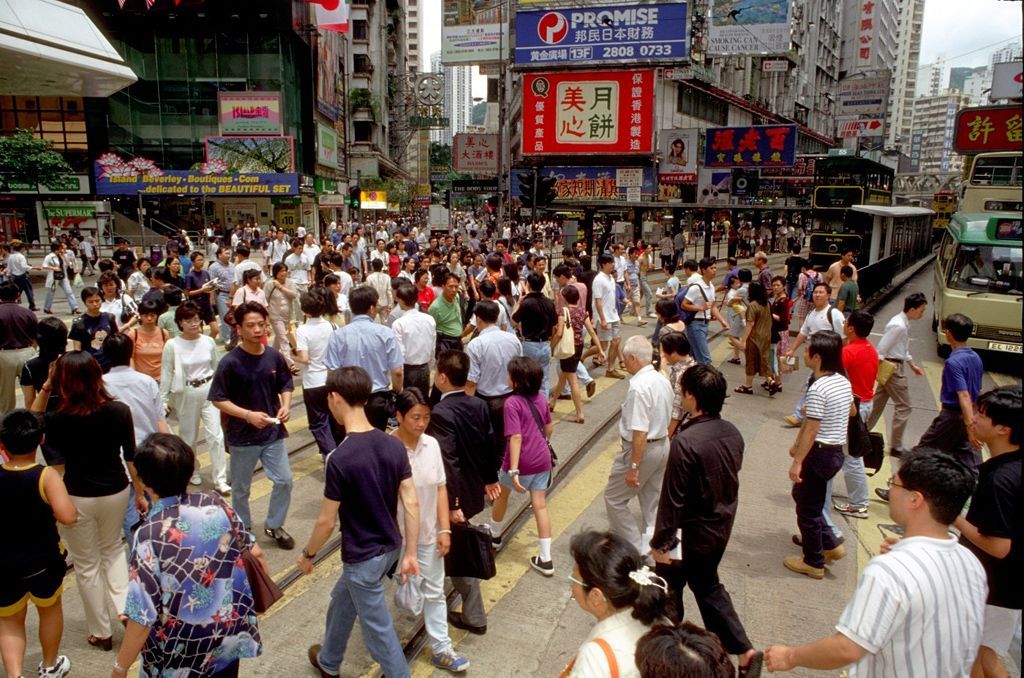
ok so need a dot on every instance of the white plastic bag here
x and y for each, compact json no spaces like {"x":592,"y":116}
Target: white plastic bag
{"x":409,"y":596}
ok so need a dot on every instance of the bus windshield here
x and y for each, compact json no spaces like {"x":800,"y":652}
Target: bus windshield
{"x":987,"y":268}
{"x":997,"y":170}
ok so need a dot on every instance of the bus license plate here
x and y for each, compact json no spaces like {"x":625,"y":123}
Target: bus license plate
{"x":1009,"y":348}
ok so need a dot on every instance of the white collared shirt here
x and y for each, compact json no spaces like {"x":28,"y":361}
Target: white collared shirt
{"x":489,"y":355}
{"x":622,"y":632}
{"x":648,"y":405}
{"x":17,"y":264}
{"x":298,"y":267}
{"x":312,"y":336}
{"x":895,"y":343}
{"x":427,"y":475}
{"x":694,"y":296}
{"x":417,"y":334}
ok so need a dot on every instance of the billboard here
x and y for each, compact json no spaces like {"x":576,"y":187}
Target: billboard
{"x":326,"y":145}
{"x":866,"y":28}
{"x":186,"y":182}
{"x":851,"y":129}
{"x":758,"y":27}
{"x":604,"y":34}
{"x":862,"y":96}
{"x":1006,"y":80}
{"x":328,"y":50}
{"x":754,"y":146}
{"x":476,"y":154}
{"x":597,"y":183}
{"x":609,"y":112}
{"x":251,"y":154}
{"x":678,"y":149}
{"x":249,"y":113}
{"x":481,"y":43}
{"x":373,"y":200}
{"x":988,"y":128}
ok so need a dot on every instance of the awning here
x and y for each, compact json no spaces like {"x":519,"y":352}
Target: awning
{"x":897,"y":211}
{"x":53,"y":49}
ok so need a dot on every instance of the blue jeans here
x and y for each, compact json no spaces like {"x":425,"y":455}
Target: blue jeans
{"x":855,"y":478}
{"x":131,"y":516}
{"x":360,"y":592}
{"x":222,"y":311}
{"x":697,"y":333}
{"x":798,"y":409}
{"x":274,"y":457}
{"x":541,"y":352}
{"x":65,"y":285}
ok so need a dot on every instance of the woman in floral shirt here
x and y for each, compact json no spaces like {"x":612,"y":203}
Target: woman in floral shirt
{"x":189,"y":608}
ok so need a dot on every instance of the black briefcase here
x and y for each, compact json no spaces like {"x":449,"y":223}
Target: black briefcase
{"x":876,"y":455}
{"x":471,"y":554}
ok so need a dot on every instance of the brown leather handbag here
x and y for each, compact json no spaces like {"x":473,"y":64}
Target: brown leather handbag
{"x":265,"y":592}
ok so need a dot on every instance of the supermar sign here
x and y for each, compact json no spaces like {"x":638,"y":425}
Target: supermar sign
{"x":611,"y":33}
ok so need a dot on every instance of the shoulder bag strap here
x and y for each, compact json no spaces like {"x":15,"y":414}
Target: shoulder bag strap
{"x":613,"y":665}
{"x":536,"y":417}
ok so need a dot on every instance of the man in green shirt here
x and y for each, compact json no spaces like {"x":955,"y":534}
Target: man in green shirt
{"x":847,"y":300}
{"x":447,"y":313}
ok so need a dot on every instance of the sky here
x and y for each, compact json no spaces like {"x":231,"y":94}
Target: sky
{"x":952,"y":28}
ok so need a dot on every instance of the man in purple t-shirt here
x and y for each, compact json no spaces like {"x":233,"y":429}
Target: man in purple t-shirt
{"x":370,"y":469}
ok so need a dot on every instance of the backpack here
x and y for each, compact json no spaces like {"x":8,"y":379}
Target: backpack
{"x":809,"y":288}
{"x":687,"y":316}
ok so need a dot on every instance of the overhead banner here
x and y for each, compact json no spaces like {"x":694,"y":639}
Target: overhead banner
{"x":249,"y":113}
{"x":610,"y":112}
{"x":988,"y":128}
{"x":678,"y":156}
{"x":605,"y":34}
{"x":851,"y":129}
{"x":250,"y":154}
{"x":184,"y":182}
{"x":1007,"y":79}
{"x":754,"y":146}
{"x":326,"y":145}
{"x":477,"y":44}
{"x":476,"y":154}
{"x":755,"y":27}
{"x":588,"y":184}
{"x":863,"y":96}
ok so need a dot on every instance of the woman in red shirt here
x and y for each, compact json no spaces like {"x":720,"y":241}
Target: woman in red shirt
{"x":426,"y":294}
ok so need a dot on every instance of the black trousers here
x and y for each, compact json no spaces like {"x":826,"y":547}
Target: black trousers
{"x":699,"y":571}
{"x":381,"y":407}
{"x":820,"y":465}
{"x":319,"y":417}
{"x":496,"y":410}
{"x":230,"y":671}
{"x":446,"y":343}
{"x":23,"y":283}
{"x":947,"y":433}
{"x":417,"y":376}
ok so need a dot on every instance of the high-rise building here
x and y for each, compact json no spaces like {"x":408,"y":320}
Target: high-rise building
{"x":976,"y":85}
{"x":904,"y":77}
{"x":937,"y":76}
{"x":458,"y":98}
{"x":935,"y":118}
{"x":1010,"y":52}
{"x":413,"y":33}
{"x":879,"y":23}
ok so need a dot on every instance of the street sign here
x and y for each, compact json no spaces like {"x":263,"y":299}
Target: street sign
{"x":988,"y":128}
{"x":774,"y":65}
{"x":850,"y":129}
{"x":632,"y":194}
{"x":1007,"y":79}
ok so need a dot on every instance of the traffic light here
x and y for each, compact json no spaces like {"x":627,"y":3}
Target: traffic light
{"x":447,"y":200}
{"x":526,"y":188}
{"x":546,"y":191}
{"x":353,"y":197}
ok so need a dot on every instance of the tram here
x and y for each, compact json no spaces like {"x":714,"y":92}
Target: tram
{"x":944,"y":205}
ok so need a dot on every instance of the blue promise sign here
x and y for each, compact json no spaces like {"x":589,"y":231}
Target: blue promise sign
{"x":603,"y":34}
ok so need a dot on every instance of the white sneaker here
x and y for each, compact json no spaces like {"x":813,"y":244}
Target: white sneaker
{"x":196,"y":479}
{"x":58,"y":670}
{"x":224,"y":488}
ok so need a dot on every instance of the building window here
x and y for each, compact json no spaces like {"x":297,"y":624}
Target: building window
{"x":59,"y":120}
{"x":413,"y":14}
{"x":701,"y":105}
{"x":361,"y":63}
{"x":363,"y":131}
{"x":360,"y":29}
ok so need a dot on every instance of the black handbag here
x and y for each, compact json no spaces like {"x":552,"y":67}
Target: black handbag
{"x":540,"y":427}
{"x":857,"y":434}
{"x":471,"y":554}
{"x":876,"y":455}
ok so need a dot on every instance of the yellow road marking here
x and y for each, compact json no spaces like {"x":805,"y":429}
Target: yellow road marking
{"x":933,"y":372}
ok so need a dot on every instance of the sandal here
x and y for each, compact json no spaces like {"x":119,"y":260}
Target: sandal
{"x":734,"y":361}
{"x":105,"y":644}
{"x":744,"y":389}
{"x":573,"y":419}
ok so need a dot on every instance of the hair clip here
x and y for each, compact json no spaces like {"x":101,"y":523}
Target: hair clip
{"x":645,"y":577}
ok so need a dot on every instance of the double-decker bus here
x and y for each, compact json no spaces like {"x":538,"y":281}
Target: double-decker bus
{"x":840,"y":182}
{"x":943,"y":204}
{"x":993,"y":183}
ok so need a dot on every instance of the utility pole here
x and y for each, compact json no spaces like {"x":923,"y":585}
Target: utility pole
{"x":536,"y":179}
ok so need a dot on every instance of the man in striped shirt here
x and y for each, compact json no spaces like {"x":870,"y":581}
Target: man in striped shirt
{"x":918,"y":608}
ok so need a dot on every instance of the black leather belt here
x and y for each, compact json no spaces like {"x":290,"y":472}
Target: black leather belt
{"x":196,"y":383}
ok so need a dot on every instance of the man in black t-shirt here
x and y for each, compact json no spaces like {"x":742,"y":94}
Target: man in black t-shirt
{"x":89,"y":330}
{"x":124,"y":258}
{"x":253,"y":387}
{"x":993,"y":529}
{"x":371,"y":471}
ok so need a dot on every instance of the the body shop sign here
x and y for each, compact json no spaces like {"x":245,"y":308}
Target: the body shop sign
{"x":609,"y":112}
{"x":249,"y":113}
{"x":601,"y":34}
{"x":754,"y":146}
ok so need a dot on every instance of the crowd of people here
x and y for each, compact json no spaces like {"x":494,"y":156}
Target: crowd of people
{"x":430,"y":367}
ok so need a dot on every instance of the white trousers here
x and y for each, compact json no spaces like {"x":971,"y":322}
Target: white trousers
{"x":618,"y":494}
{"x":94,"y":544}
{"x":435,"y":609}
{"x":192,"y":408}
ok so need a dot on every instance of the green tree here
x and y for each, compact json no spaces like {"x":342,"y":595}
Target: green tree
{"x":24,"y":158}
{"x":440,"y":155}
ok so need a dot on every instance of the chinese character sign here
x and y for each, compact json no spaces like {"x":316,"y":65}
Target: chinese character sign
{"x":476,"y":154}
{"x":601,"y":34}
{"x":988,"y":128}
{"x":584,"y":184}
{"x":678,"y":156}
{"x":590,"y":112}
{"x":754,"y":146}
{"x":249,"y":113}
{"x":866,"y":34}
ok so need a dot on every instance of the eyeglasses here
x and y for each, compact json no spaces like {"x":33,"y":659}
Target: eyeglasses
{"x":891,"y":483}
{"x":574,"y":580}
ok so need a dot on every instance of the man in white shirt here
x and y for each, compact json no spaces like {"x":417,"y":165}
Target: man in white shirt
{"x":822,"y":317}
{"x":309,"y":246}
{"x":311,"y":339}
{"x":895,"y":347}
{"x":700,"y":301}
{"x":489,"y":355}
{"x":643,"y":427}
{"x":380,"y":281}
{"x":606,"y":313}
{"x":299,"y":264}
{"x":18,"y":268}
{"x":277,"y":249}
{"x":919,"y":608}
{"x":416,"y":332}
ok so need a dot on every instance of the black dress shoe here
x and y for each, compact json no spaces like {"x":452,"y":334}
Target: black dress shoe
{"x":283,"y":539}
{"x":455,"y":619}
{"x":883,"y":494}
{"x":897,"y":452}
{"x":799,"y":540}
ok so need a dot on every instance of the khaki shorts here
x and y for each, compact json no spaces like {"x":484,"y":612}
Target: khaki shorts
{"x":614,"y":331}
{"x":634,"y":294}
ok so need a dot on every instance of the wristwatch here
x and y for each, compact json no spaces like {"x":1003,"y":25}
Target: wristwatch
{"x":634,"y":466}
{"x":307,"y":555}
{"x":513,"y":471}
